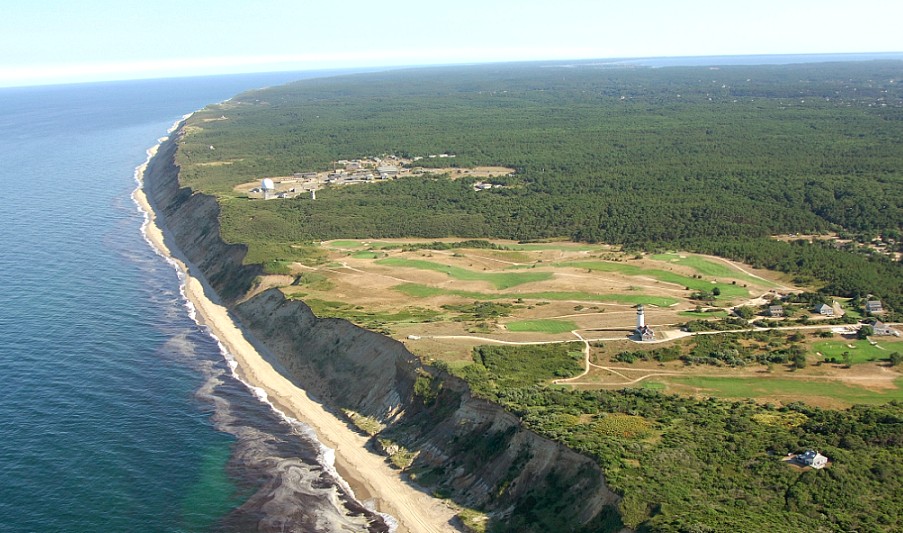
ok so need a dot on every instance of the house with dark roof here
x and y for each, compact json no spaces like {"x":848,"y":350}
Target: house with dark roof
{"x":646,"y":334}
{"x":873,"y":307}
{"x":880,"y":328}
{"x":812,"y":458}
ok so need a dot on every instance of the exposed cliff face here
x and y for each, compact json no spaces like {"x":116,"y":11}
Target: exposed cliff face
{"x":468,"y":449}
{"x":193,"y":220}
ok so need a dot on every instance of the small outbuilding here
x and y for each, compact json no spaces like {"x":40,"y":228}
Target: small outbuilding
{"x":775,"y":310}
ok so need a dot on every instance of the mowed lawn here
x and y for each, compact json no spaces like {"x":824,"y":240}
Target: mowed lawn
{"x":542,"y":326}
{"x":861,"y":351}
{"x":345,"y":244}
{"x":707,"y":267}
{"x":499,"y":280}
{"x":728,"y":290}
{"x":789,"y":390}
{"x":416,"y":290}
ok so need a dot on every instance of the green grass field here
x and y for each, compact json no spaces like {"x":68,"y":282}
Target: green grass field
{"x":365,"y":255}
{"x":789,"y":390}
{"x":416,"y":290}
{"x":542,"y":326}
{"x":408,"y":315}
{"x":849,"y":310}
{"x":710,"y":268}
{"x":500,"y":281}
{"x":862,"y":351}
{"x":728,"y":290}
{"x":345,"y":244}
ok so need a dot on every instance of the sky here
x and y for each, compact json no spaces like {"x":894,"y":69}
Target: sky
{"x":66,"y":41}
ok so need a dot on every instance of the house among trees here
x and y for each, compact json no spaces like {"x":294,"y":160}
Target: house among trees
{"x":824,"y":309}
{"x":873,"y":307}
{"x":775,"y":310}
{"x":812,"y":458}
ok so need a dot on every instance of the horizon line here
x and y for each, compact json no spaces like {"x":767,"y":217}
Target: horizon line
{"x":262,"y":67}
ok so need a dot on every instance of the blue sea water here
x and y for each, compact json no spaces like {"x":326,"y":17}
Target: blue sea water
{"x":117,"y":411}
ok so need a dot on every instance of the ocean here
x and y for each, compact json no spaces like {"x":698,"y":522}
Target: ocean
{"x":117,"y":411}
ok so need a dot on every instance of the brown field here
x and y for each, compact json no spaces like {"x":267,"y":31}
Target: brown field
{"x":365,"y":282}
{"x":357,"y":286}
{"x":475,"y":172}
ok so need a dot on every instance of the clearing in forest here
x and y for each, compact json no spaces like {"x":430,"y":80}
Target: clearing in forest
{"x":443,"y":298}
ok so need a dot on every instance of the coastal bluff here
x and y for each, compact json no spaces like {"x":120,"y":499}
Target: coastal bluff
{"x":460,"y":447}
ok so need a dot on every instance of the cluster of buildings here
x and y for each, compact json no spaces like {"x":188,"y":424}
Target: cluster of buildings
{"x":871,"y":308}
{"x":355,"y":171}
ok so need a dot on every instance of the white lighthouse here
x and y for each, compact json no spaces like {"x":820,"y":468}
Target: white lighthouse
{"x":643,"y":331}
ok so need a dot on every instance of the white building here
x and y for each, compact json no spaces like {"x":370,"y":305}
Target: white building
{"x":643,"y":331}
{"x":880,"y":328}
{"x":874,"y":306}
{"x":812,"y":458}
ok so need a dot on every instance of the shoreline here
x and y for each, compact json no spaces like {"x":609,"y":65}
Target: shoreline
{"x":367,"y":475}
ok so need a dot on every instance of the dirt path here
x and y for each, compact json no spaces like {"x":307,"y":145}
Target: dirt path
{"x":587,"y":365}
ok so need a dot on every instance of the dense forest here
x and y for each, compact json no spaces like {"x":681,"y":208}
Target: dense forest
{"x":713,"y":160}
{"x":709,"y":159}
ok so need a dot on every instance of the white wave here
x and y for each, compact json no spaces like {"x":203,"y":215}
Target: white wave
{"x":325,"y":454}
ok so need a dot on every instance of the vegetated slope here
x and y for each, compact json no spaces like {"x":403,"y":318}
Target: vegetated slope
{"x":685,"y":464}
{"x":709,"y":159}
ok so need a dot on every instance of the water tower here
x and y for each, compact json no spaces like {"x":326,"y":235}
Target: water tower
{"x":267,"y":185}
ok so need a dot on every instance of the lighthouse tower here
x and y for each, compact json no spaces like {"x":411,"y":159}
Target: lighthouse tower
{"x":643,"y":332}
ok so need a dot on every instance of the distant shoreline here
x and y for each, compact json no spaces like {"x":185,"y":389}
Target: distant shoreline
{"x":367,"y":474}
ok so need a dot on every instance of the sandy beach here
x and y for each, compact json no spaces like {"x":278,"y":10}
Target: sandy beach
{"x":368,"y":474}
